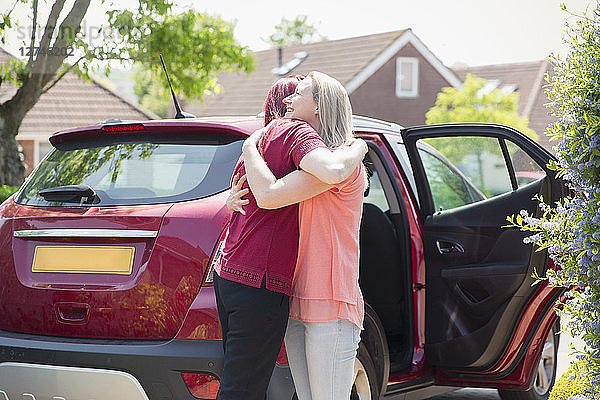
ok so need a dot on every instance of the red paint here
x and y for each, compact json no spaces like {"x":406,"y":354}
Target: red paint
{"x":418,"y":259}
{"x":238,"y":126}
{"x":202,"y":320}
{"x":418,"y":369}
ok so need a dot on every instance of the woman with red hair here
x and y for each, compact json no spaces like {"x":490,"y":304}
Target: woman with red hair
{"x":254,"y":276}
{"x":274,"y":105}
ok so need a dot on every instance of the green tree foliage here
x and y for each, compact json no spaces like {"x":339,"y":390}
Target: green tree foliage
{"x":296,"y":31}
{"x":6,"y":192}
{"x":151,"y":94}
{"x":472,"y":104}
{"x":196,"y":48}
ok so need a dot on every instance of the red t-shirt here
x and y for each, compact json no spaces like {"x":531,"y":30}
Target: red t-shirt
{"x":265,"y":242}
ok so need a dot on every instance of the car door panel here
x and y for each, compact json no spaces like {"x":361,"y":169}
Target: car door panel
{"x":482,"y":288}
{"x":479,"y":274}
{"x":471,"y":286}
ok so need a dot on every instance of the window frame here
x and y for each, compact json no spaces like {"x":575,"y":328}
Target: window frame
{"x":414,"y":92}
{"x":383,"y":173}
{"x":411,"y":135}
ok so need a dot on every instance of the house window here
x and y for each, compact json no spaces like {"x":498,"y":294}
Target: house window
{"x":44,"y":148}
{"x":407,"y":77}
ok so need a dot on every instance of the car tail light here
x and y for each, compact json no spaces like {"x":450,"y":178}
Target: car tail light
{"x":282,"y":357}
{"x":216,"y":257}
{"x":202,"y":386}
{"x":123,"y":128}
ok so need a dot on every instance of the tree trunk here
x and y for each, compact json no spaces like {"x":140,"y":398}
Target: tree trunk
{"x":43,"y":70}
{"x":12,"y":169}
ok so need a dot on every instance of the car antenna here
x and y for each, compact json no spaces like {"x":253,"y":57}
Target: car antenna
{"x":178,"y":112}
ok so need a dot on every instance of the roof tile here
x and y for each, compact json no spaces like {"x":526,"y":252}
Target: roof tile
{"x":342,"y":59}
{"x":529,"y":78}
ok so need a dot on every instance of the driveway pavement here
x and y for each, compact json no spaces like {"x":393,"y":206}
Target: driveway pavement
{"x":564,"y":359}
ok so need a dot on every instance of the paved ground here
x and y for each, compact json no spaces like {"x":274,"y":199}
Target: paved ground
{"x":564,"y":359}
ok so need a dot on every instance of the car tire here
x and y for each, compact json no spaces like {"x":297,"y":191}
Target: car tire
{"x":545,"y":374}
{"x":365,"y":378}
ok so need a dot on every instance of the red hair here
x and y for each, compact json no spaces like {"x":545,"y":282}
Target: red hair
{"x":284,"y":87}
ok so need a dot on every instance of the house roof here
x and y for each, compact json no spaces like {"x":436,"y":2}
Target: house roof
{"x":527,"y":76}
{"x":72,"y":102}
{"x":351,"y":61}
{"x":529,"y":80}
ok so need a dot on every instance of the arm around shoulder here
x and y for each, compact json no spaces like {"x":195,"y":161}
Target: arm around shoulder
{"x":272,"y":193}
{"x":335,"y":166}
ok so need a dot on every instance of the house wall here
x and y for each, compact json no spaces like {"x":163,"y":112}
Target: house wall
{"x":539,"y":119}
{"x":376,"y":97}
{"x":29,"y":152}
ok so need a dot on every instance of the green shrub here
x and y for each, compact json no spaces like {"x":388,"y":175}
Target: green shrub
{"x":6,"y":191}
{"x":572,"y":383}
{"x":570,"y":229}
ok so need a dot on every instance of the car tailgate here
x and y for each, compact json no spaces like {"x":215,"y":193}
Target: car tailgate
{"x":97,"y":272}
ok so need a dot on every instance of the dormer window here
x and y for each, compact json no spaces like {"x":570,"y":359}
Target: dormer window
{"x":407,"y":77}
{"x":286,"y":68}
{"x":489,"y":86}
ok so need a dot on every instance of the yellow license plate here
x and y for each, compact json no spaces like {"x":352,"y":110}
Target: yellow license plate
{"x":83,"y":259}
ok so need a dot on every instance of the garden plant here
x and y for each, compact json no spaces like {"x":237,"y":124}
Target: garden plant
{"x":6,"y":191}
{"x":570,"y":229}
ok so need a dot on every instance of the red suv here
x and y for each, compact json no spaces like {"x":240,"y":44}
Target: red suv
{"x":106,"y":257}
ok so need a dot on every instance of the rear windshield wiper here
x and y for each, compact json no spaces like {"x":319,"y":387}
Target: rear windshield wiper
{"x":70,"y":194}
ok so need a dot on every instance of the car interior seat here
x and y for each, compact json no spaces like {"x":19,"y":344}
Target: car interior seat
{"x":381,"y":274}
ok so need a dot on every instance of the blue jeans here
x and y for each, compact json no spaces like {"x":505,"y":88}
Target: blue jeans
{"x":321,"y":357}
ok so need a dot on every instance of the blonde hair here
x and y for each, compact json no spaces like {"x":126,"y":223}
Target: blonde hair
{"x":335,"y":111}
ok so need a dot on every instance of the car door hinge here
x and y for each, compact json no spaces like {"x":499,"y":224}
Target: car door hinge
{"x":418,"y":286}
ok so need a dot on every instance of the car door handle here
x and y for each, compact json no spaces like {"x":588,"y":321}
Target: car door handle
{"x":445,"y":247}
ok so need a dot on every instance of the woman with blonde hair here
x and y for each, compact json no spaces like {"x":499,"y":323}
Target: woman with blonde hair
{"x":326,"y":304}
{"x":254,"y":275}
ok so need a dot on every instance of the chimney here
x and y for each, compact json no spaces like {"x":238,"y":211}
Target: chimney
{"x":280,"y":56}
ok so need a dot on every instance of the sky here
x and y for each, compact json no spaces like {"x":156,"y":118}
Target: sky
{"x":472,"y":32}
{"x":475,"y":32}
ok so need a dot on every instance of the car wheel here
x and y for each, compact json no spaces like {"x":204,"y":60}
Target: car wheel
{"x":365,"y":379}
{"x":545,"y":374}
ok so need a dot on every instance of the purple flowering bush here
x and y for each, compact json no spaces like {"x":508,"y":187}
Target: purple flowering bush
{"x":570,"y":229}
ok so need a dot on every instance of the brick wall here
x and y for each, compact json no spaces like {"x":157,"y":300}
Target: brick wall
{"x":376,"y":97}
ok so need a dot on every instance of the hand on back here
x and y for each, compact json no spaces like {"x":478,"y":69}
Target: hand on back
{"x":235,"y":202}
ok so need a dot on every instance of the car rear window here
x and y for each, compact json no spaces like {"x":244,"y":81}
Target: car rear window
{"x":136,"y":173}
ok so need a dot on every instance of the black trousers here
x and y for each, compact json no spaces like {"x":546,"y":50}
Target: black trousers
{"x":253,"y":322}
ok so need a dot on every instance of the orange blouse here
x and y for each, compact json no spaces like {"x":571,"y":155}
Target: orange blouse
{"x":325,"y":284}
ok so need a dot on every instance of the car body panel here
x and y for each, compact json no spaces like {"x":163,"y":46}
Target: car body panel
{"x":149,"y":303}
